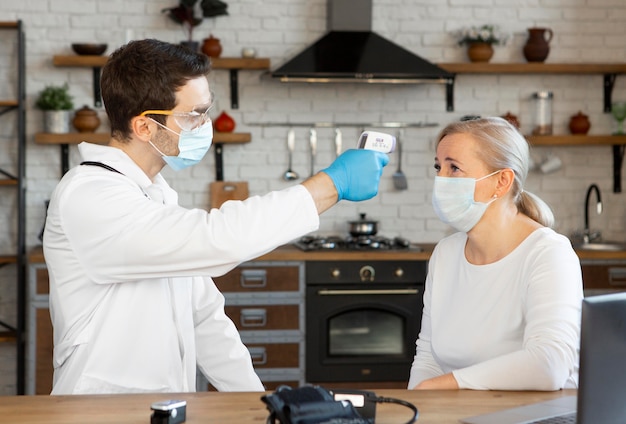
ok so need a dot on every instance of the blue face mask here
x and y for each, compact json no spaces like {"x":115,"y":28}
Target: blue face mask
{"x":192,"y":146}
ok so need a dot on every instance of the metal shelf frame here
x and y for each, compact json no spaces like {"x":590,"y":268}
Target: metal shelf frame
{"x":17,"y":332}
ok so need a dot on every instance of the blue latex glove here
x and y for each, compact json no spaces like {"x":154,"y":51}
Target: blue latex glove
{"x":356,"y":173}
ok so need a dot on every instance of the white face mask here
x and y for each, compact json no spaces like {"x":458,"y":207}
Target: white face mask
{"x":454,"y":204}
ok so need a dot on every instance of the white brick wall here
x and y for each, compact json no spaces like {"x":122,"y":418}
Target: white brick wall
{"x":585,"y":31}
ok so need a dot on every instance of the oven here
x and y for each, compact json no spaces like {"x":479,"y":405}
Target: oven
{"x":362,"y":319}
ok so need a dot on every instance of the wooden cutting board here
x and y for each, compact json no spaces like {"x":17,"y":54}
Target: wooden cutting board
{"x":221,"y":191}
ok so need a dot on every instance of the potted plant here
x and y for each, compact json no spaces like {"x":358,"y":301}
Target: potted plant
{"x":185,"y":15}
{"x":56,"y":102}
{"x":479,"y":41}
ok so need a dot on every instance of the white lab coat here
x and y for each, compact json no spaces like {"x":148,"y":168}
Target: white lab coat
{"x":132,"y":302}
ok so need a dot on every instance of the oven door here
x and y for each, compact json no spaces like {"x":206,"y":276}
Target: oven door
{"x":361,"y":334}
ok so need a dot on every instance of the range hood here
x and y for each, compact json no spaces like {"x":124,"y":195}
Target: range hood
{"x":351,"y":52}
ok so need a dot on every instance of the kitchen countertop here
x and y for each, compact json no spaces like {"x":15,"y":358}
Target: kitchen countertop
{"x":417,"y":252}
{"x":435,"y":407}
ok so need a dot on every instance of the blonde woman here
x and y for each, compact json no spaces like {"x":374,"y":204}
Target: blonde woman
{"x":503,"y":294}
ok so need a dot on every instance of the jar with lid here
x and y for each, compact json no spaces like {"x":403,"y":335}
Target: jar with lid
{"x":542,"y":113}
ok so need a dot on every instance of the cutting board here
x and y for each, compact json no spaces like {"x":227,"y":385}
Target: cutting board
{"x":221,"y":191}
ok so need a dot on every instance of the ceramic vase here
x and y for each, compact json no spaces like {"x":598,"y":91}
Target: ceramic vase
{"x":579,"y":124}
{"x":479,"y":52}
{"x":86,"y":120}
{"x":212,"y":47}
{"x":224,"y":123}
{"x":537,"y":46}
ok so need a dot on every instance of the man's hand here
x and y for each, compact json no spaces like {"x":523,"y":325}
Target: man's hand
{"x":356,"y":174}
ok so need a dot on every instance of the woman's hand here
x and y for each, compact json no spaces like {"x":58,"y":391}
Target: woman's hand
{"x":443,"y":382}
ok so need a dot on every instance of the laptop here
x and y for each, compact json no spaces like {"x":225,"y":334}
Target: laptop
{"x":602,"y":374}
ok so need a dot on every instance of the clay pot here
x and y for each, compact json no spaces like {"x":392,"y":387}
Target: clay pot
{"x":224,"y":123}
{"x":579,"y":124}
{"x":512,"y":119}
{"x":479,"y":52}
{"x":537,"y":46}
{"x":212,"y":47}
{"x":86,"y":120}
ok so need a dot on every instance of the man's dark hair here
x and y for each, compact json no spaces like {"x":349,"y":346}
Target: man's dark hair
{"x":143,"y":75}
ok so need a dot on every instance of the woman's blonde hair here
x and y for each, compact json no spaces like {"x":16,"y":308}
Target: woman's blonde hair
{"x":502,"y":146}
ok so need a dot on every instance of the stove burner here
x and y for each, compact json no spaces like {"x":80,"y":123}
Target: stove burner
{"x":307,"y":243}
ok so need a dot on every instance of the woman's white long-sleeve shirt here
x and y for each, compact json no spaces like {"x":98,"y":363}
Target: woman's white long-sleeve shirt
{"x":132,"y":302}
{"x":510,"y":325}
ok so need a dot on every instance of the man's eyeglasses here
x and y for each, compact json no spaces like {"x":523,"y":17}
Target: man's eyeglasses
{"x":187,"y":121}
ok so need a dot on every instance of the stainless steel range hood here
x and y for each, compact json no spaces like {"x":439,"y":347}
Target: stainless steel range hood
{"x":351,"y":52}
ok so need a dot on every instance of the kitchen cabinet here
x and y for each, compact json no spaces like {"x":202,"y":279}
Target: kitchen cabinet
{"x":265,"y":300}
{"x":40,"y":343}
{"x":603,"y":276}
{"x":13,"y":188}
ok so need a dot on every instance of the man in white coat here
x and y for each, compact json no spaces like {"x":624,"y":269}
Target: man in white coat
{"x":132,"y":302}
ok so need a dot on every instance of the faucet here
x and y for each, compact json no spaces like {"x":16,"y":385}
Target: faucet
{"x":587,"y":236}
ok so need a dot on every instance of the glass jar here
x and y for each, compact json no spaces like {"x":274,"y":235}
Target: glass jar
{"x":542,"y":113}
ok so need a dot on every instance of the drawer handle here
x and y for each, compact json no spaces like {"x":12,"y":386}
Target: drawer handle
{"x":253,"y":318}
{"x":254,"y":278}
{"x":617,"y":277}
{"x":258,"y":355}
{"x":366,"y":292}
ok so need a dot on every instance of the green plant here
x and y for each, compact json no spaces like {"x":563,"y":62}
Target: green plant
{"x":55,"y":98}
{"x":185,"y":13}
{"x":489,"y":34}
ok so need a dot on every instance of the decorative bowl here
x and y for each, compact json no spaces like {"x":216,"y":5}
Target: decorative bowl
{"x":89,"y":49}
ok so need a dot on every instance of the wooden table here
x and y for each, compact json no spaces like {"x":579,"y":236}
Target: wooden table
{"x":241,"y":408}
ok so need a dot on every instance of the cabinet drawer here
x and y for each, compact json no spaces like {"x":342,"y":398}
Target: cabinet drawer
{"x":264,"y":317}
{"x":275,"y":355}
{"x":604,"y":276}
{"x":42,"y":284}
{"x":253,"y":279}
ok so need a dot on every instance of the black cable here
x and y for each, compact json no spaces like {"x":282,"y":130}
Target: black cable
{"x":400,"y":402}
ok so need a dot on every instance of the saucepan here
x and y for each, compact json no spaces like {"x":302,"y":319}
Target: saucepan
{"x":363,"y":226}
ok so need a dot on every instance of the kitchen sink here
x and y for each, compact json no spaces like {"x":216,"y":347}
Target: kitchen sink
{"x":610,"y":246}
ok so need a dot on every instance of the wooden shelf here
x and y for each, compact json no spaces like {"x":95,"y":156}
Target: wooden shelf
{"x":534,"y":68}
{"x":240,"y":63}
{"x":216,"y":63}
{"x":8,"y":24}
{"x":83,"y":61}
{"x":9,"y":103}
{"x":7,"y":336}
{"x":64,"y":140}
{"x":8,"y":259}
{"x":234,"y":64}
{"x":608,"y":70}
{"x":8,"y":182}
{"x":576,"y":140}
{"x":103,"y":138}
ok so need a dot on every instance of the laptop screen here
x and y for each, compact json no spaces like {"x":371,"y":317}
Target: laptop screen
{"x":602,"y":374}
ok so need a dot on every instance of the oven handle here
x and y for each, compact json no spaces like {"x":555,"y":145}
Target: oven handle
{"x":366,"y":292}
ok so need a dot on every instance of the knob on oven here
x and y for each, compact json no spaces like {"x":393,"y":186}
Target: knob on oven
{"x":335,"y":273}
{"x":399,"y":272}
{"x":367,"y":273}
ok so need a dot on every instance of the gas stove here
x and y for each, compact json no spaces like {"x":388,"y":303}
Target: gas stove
{"x":309,"y":243}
